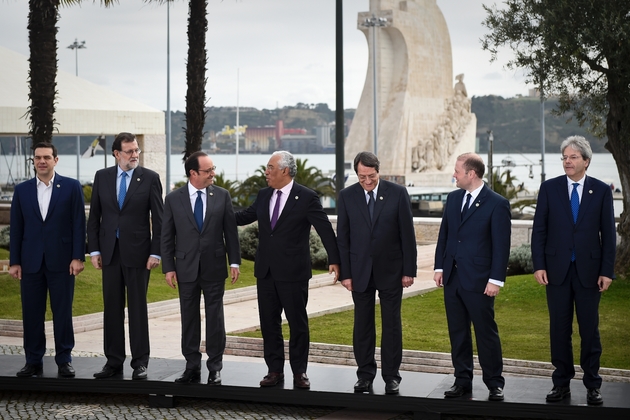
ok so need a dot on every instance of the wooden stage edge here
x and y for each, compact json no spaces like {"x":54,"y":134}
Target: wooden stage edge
{"x":331,"y":386}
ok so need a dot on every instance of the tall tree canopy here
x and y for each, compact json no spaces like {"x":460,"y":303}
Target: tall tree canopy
{"x":577,"y":50}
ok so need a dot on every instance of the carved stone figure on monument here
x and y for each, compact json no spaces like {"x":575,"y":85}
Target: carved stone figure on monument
{"x":460,"y":86}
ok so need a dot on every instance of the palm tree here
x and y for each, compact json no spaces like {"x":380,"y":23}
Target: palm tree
{"x":248,"y":189}
{"x":313,"y":178}
{"x":43,"y":16}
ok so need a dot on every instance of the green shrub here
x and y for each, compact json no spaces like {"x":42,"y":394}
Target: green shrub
{"x":87,"y":193}
{"x":4,"y":237}
{"x":248,"y":238}
{"x":520,"y":261}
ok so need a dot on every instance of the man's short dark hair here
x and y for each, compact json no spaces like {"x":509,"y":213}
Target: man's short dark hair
{"x":192,"y":163}
{"x":44,"y":144}
{"x":473,"y":162}
{"x":366,"y":159}
{"x":120,"y":139}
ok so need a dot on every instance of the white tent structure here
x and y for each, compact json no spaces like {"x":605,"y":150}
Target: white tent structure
{"x":82,"y":108}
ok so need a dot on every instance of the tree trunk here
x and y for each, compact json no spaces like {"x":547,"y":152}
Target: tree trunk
{"x":196,"y":76}
{"x":42,"y":34}
{"x":618,"y":144}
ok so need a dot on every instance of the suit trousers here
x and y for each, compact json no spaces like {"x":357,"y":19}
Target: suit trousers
{"x":189,"y":300}
{"x":462,"y":308}
{"x":34,"y":288}
{"x":560,"y":301}
{"x":117,"y":277}
{"x":364,"y":333}
{"x":291,"y":296}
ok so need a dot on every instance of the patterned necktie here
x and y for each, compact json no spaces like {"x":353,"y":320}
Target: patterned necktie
{"x":276,"y":210}
{"x":466,"y":205}
{"x":122,"y":189}
{"x":575,"y":208}
{"x":371,"y":204}
{"x":199,"y":211}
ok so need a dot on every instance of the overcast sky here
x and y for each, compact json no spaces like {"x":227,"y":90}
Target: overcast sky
{"x":282,"y":50}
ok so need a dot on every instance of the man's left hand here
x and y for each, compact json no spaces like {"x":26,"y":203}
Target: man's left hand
{"x":491,"y":289}
{"x":603,"y":282}
{"x":334,"y":268}
{"x":152,"y":262}
{"x":407,"y":281}
{"x":76,"y":266}
{"x":234,"y":273}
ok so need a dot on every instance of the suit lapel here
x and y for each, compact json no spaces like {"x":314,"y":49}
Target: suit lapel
{"x":476,"y":203}
{"x":266,"y":198}
{"x":134,"y":184}
{"x":587,"y":198}
{"x":565,"y":200}
{"x":184,"y":200}
{"x":210,"y":206}
{"x":292,"y":199}
{"x":359,"y":197}
{"x":379,"y":202}
{"x":55,"y":193}
{"x":32,"y":196}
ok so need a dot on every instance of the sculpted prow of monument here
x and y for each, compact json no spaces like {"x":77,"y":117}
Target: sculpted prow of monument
{"x":423,"y":121}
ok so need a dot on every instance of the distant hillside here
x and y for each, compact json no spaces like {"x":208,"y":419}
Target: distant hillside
{"x":515,"y":124}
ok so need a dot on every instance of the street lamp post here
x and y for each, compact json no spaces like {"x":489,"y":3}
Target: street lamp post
{"x":490,"y":173}
{"x":76,"y":47}
{"x":373,"y":23}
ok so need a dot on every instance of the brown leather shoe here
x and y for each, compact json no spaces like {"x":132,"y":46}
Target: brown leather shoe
{"x":272,"y":379}
{"x":300,"y":380}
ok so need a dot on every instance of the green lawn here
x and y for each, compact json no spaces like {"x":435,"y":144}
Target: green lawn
{"x":521,"y":313}
{"x":88,"y":296}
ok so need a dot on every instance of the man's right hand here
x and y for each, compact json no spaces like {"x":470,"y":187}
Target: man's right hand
{"x":347,"y":283}
{"x":171,"y":279}
{"x":541,"y":277}
{"x":15,"y":271}
{"x":438,"y":278}
{"x":97,"y":262}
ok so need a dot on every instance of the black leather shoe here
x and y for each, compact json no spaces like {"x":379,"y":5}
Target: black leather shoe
{"x":139,"y":373}
{"x":391,"y":386}
{"x":594,"y":396}
{"x":558,"y":393}
{"x":363,"y":385}
{"x":496,"y":394}
{"x":301,"y":381}
{"x":190,"y":376}
{"x":108,"y":372}
{"x":214,"y":378}
{"x":457,"y":391}
{"x":66,"y":371}
{"x":272,"y":379}
{"x":30,"y":370}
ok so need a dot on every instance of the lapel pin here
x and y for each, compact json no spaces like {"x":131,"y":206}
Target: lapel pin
{"x":58,"y":186}
{"x":296,"y":197}
{"x":381,"y":197}
{"x":590,"y":191}
{"x":210,"y":193}
{"x":138,"y":179}
{"x":476,"y":204}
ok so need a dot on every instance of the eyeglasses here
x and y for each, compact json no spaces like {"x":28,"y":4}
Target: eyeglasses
{"x":570,"y":158}
{"x":131,"y":152}
{"x":207,"y":171}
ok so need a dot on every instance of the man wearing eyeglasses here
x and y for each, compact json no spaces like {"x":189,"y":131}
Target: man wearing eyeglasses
{"x":124,"y":228}
{"x":573,"y":250}
{"x":198,"y":231}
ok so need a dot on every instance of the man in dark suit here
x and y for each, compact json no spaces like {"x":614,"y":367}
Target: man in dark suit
{"x":471,"y":260}
{"x":124,"y":241}
{"x":377,"y":245}
{"x":197,"y":231}
{"x":285,"y":213}
{"x":573,"y":250}
{"x":47,"y":250}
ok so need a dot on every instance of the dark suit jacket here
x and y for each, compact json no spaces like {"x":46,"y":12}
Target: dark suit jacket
{"x":285,"y":250}
{"x":386,"y":246}
{"x":184,"y":248}
{"x":140,"y":219}
{"x":593,"y":237}
{"x":479,"y":244}
{"x":56,"y":241}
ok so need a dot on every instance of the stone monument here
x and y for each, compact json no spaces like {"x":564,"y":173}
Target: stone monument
{"x":423,"y":121}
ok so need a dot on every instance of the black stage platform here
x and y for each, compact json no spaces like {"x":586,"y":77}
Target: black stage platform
{"x":332,"y":386}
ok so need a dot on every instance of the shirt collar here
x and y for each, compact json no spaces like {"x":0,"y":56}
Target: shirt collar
{"x":40,"y":182}
{"x":192,"y":190}
{"x":570,"y":182}
{"x":286,"y":190}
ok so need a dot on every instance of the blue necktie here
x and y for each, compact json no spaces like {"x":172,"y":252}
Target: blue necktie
{"x":122,"y":189}
{"x":466,"y":205}
{"x":575,"y":208}
{"x":371,"y":204}
{"x":199,"y":211}
{"x":276,"y":210}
